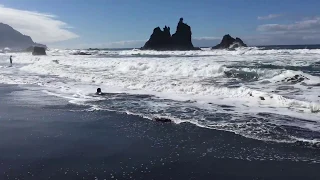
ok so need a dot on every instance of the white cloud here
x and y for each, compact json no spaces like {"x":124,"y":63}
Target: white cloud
{"x":42,"y":27}
{"x":116,"y":44}
{"x":270,"y":16}
{"x":206,"y":41}
{"x":126,"y":44}
{"x":197,"y":41}
{"x":304,"y":25}
{"x":282,"y":39}
{"x":306,"y":31}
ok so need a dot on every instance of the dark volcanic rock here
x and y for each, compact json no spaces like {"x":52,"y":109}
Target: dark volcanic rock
{"x":159,"y":40}
{"x":30,"y":49}
{"x":295,"y":79}
{"x":161,"y":119}
{"x":13,"y":39}
{"x":182,"y":38}
{"x":162,"y":39}
{"x":39,"y":51}
{"x":81,"y":53}
{"x":229,"y":42}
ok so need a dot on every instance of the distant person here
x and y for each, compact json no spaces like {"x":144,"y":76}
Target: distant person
{"x":10,"y":60}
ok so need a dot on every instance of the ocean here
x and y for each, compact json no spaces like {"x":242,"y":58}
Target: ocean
{"x":266,"y":94}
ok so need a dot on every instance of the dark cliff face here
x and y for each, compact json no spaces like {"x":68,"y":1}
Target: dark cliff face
{"x":162,"y":39}
{"x":230,"y":42}
{"x":13,"y":39}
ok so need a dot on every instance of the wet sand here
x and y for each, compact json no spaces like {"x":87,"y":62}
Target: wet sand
{"x":64,"y":142}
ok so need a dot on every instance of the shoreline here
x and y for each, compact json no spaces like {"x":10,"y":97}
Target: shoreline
{"x":52,"y":142}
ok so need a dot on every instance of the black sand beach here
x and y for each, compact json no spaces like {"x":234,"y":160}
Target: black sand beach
{"x":63,"y":142}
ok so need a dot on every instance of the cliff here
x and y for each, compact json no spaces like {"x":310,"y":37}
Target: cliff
{"x":13,"y":39}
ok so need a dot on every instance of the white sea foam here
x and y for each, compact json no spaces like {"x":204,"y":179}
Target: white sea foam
{"x":195,"y":76}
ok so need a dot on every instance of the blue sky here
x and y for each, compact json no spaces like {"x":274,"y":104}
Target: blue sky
{"x":129,"y":23}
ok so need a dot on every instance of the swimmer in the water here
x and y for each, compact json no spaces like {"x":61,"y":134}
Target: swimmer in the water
{"x":99,"y":92}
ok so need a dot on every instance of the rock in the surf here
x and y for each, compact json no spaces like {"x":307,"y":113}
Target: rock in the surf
{"x":162,"y":39}
{"x":55,"y":61}
{"x":39,"y":51}
{"x":159,"y":40}
{"x":31,"y":48}
{"x":81,"y":53}
{"x":162,"y":119}
{"x":295,"y":79}
{"x":228,"y":42}
{"x":181,"y":40}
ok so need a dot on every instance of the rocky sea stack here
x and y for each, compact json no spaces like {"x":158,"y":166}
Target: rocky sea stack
{"x":162,"y":39}
{"x":229,"y":42}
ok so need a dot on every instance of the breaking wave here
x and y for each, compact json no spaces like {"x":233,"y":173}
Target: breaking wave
{"x":271,"y":95}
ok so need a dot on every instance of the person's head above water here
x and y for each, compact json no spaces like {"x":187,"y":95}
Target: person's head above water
{"x":99,"y":90}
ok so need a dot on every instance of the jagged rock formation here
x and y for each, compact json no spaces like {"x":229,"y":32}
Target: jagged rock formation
{"x":229,"y":42}
{"x":14,"y":40}
{"x":39,"y":51}
{"x":295,"y":79}
{"x":162,"y":39}
{"x":159,"y":40}
{"x":182,"y":37}
{"x":162,"y":119}
{"x":81,"y":53}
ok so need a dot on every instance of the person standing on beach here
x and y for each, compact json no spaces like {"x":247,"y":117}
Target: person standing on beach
{"x":10,"y":60}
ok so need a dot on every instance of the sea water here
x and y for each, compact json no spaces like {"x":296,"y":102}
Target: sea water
{"x":245,"y":91}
